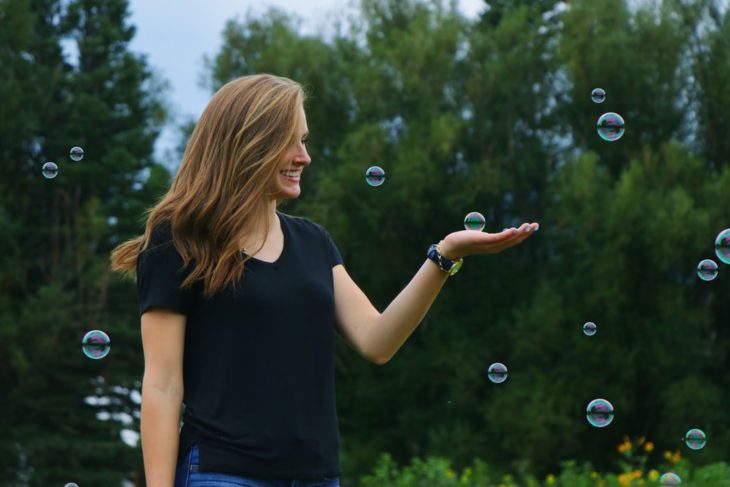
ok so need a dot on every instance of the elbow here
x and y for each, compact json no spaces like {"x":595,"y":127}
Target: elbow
{"x":379,"y":359}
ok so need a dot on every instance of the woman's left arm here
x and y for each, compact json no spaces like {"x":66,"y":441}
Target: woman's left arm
{"x":378,"y":336}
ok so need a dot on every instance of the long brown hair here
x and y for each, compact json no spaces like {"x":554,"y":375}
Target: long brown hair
{"x":223,"y":188}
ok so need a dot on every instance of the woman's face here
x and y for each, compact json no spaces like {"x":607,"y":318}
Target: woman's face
{"x":295,"y":160}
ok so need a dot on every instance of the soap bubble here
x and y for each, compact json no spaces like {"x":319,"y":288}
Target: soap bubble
{"x":599,"y":413}
{"x":722,"y":246}
{"x":695,"y":439}
{"x":589,"y":329}
{"x":610,"y":126}
{"x":598,"y":95}
{"x":76,"y":153}
{"x":474,"y":221}
{"x":707,"y":269}
{"x":72,"y":484}
{"x":375,"y":176}
{"x":49,"y":170}
{"x":497,"y":373}
{"x":96,"y":344}
{"x":670,"y":478}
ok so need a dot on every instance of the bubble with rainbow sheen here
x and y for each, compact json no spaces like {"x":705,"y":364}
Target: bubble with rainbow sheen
{"x":722,"y":246}
{"x":96,"y":344}
{"x":695,"y":439}
{"x":474,"y":221}
{"x":589,"y":329}
{"x":375,"y":176}
{"x":707,"y":269}
{"x":76,"y":153}
{"x":599,"y":413}
{"x":497,"y":372}
{"x":611,"y":126}
{"x":49,"y":170}
{"x":598,"y":95}
{"x":670,"y":478}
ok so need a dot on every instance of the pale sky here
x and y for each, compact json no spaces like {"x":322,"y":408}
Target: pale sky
{"x":176,"y":34}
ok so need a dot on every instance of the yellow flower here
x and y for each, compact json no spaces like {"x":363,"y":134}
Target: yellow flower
{"x":676,"y":457}
{"x":450,"y":474}
{"x":624,"y":479}
{"x":653,"y":475}
{"x":636,"y":474}
{"x":624,"y":447}
{"x":648,"y":447}
{"x":550,"y":479}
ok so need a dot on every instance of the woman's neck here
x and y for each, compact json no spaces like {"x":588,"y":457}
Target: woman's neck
{"x":257,"y":237}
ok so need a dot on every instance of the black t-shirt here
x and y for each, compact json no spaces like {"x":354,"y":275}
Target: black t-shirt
{"x":258,"y":363}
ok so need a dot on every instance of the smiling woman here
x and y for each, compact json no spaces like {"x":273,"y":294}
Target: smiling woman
{"x":239,"y":303}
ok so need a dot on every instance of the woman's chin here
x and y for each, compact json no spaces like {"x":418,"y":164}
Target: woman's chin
{"x":288,"y":193}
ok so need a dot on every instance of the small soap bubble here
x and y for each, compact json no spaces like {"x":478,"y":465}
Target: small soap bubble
{"x":72,"y":484}
{"x":76,"y":153}
{"x":375,"y":176}
{"x":722,"y":246}
{"x":670,"y":478}
{"x":589,"y":329}
{"x":96,"y":344}
{"x":598,"y":95}
{"x":610,"y":126}
{"x":707,"y":269}
{"x":474,"y":221}
{"x":49,"y":170}
{"x":695,"y":439}
{"x":497,"y":373}
{"x":599,"y":413}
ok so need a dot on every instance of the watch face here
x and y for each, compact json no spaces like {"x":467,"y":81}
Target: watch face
{"x":457,"y":265}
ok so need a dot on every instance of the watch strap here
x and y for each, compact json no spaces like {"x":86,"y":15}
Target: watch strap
{"x":444,"y":263}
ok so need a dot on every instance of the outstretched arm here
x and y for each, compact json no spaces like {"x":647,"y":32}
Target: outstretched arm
{"x":378,"y":336}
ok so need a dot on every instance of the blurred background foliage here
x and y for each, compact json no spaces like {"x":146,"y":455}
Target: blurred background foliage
{"x":491,"y":115}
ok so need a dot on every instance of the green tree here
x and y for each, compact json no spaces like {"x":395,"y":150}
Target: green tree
{"x":59,"y":234}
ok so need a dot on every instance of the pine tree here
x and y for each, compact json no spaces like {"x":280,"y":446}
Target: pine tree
{"x":74,"y":83}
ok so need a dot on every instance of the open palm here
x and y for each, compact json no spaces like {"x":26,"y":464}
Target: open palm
{"x":471,"y":242}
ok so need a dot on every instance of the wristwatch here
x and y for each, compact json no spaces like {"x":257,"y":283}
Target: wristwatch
{"x":444,"y":263}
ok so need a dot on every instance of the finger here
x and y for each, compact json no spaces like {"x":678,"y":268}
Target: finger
{"x":517,"y":236}
{"x":528,"y":230}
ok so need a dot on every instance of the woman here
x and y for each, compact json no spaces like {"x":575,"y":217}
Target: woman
{"x":238,"y":303}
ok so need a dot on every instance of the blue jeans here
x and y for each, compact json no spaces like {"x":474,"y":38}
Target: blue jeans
{"x":188,"y":475}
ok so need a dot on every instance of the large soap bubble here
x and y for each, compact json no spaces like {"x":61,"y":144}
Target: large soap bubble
{"x":722,"y":246}
{"x":599,"y":413}
{"x":375,"y":176}
{"x":707,"y":269}
{"x":96,"y":344}
{"x":49,"y":170}
{"x":497,"y":373}
{"x":474,"y":221}
{"x":610,"y":126}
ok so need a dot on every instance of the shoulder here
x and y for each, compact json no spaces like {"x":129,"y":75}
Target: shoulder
{"x":159,"y":242}
{"x":160,"y":235}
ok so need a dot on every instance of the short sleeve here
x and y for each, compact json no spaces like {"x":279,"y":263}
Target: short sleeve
{"x":333,"y":253}
{"x":160,"y":274}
